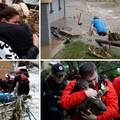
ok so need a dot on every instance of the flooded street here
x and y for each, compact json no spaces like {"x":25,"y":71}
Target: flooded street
{"x":48,"y":51}
{"x":31,"y":108}
{"x":108,"y":11}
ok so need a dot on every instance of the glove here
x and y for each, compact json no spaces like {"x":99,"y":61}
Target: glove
{"x":91,"y":93}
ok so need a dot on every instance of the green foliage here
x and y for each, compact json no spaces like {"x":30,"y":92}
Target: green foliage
{"x":104,"y":68}
{"x":75,"y":50}
{"x":71,"y":69}
{"x":113,"y":74}
{"x":107,"y":68}
{"x":45,"y":73}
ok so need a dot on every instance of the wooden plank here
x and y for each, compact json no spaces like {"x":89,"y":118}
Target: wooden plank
{"x":113,"y":43}
{"x":76,"y":31}
{"x":66,"y":32}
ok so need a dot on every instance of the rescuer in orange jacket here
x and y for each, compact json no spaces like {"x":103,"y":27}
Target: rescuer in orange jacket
{"x":70,"y":100}
{"x":116,"y":84}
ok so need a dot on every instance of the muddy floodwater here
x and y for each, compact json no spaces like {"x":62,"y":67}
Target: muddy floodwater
{"x":108,"y":11}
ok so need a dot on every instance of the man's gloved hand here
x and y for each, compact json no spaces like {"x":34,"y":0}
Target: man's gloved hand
{"x":91,"y":93}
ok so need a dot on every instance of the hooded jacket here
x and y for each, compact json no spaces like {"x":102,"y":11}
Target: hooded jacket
{"x":116,"y":84}
{"x":20,"y":38}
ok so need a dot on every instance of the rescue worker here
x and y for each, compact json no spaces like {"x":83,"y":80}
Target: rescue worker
{"x":99,"y":27}
{"x":116,"y":84}
{"x":21,"y":82}
{"x":87,"y":71}
{"x":51,"y":90}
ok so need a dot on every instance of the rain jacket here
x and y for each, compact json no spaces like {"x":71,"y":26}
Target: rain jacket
{"x":69,"y":101}
{"x":116,"y":84}
{"x":51,"y":92}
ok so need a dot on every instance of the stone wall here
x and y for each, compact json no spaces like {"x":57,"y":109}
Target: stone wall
{"x":48,"y":17}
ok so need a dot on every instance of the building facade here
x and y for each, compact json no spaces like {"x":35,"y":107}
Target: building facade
{"x":51,"y":11}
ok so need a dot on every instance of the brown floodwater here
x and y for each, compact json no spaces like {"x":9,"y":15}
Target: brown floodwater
{"x":48,"y":51}
{"x":108,"y":11}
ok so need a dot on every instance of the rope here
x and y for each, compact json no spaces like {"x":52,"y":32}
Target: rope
{"x":32,"y":115}
{"x":28,"y":114}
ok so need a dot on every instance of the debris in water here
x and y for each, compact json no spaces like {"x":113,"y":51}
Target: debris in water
{"x":114,"y":36}
{"x":99,"y":52}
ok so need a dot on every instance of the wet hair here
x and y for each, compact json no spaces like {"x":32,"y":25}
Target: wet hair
{"x":87,"y":69}
{"x":95,"y":17}
{"x":7,"y":12}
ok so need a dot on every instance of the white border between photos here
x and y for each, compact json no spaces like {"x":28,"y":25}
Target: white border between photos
{"x":79,"y":60}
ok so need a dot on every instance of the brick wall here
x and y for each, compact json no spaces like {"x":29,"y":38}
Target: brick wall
{"x":5,"y":67}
